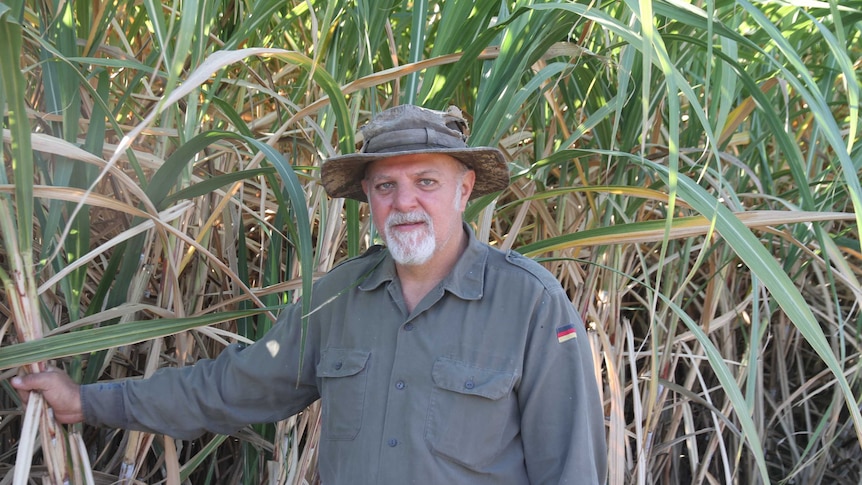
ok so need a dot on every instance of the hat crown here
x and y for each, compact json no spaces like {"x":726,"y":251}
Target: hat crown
{"x":413,"y":128}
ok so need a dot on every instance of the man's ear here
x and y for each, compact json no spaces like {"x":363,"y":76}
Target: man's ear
{"x":467,"y":183}
{"x":365,"y":188}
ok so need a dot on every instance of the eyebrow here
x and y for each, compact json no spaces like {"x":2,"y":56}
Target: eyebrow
{"x":420,"y":173}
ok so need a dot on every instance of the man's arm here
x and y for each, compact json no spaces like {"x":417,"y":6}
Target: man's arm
{"x":562,"y":422}
{"x":264,"y":382}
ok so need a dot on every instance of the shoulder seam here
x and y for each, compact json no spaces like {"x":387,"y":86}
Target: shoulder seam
{"x":534,"y":269}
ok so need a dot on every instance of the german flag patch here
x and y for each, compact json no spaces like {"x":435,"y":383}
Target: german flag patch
{"x":566,"y":333}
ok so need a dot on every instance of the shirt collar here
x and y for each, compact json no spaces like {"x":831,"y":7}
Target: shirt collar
{"x":466,"y":280}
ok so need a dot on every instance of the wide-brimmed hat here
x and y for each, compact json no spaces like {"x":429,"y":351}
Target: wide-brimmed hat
{"x":410,"y":129}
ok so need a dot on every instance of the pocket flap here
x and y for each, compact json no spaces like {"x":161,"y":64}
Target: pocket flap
{"x":341,"y":362}
{"x":464,"y":378}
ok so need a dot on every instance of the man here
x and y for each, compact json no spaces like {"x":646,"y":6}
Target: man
{"x":438,"y":359}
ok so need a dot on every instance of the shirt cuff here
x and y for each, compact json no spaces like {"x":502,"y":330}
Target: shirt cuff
{"x":102,"y":404}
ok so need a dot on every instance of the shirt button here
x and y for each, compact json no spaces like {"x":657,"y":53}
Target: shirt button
{"x":392,"y":442}
{"x":400,"y":385}
{"x":469,"y":385}
{"x":408,"y":327}
{"x":338,"y":365}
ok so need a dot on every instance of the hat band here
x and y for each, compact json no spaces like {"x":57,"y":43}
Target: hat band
{"x":413,"y":139}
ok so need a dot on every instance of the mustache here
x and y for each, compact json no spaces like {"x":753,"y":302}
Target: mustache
{"x":396,"y":218}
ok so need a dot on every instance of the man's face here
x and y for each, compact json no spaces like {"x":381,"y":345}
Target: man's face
{"x":416,"y":204}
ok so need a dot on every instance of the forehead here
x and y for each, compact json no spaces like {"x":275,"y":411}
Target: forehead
{"x":415,"y":163}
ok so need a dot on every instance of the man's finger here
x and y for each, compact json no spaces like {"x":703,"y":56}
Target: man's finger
{"x":23,"y":389}
{"x":29,"y":382}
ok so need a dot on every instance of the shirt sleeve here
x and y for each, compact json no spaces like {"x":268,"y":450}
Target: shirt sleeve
{"x":562,"y":422}
{"x":265,"y":382}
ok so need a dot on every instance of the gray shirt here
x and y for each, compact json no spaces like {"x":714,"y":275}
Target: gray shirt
{"x":488,"y":381}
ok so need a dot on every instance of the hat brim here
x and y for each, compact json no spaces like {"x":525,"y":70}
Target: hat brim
{"x":342,"y":175}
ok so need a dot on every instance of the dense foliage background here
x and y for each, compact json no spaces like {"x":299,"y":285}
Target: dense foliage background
{"x":689,"y":171}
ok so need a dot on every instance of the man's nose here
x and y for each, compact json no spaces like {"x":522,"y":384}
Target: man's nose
{"x":405,"y":198}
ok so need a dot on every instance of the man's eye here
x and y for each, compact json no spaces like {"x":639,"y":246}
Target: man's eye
{"x":385,"y":186}
{"x":426,"y":182}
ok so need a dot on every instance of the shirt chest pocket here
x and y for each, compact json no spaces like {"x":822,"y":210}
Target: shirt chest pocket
{"x":472,"y":415}
{"x":343,"y":375}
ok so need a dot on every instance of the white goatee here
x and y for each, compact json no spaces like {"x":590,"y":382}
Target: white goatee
{"x":411,"y":247}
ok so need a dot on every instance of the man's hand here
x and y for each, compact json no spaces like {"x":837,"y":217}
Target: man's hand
{"x":58,"y":389}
